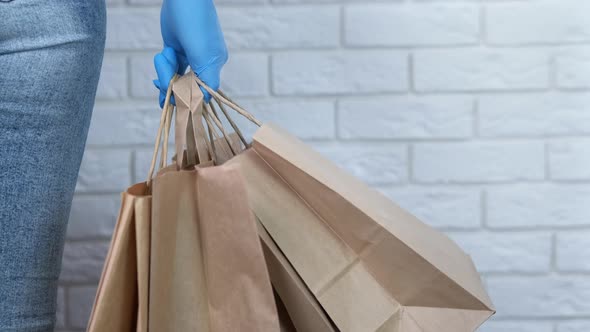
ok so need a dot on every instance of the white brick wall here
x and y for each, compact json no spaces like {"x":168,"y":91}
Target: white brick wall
{"x":474,"y":115}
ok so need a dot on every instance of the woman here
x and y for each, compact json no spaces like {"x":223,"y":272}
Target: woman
{"x":50,"y":58}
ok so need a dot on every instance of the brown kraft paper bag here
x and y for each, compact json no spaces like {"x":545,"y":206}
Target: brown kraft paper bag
{"x":305,"y":312}
{"x":207,"y":273}
{"x":185,"y":254}
{"x":121,"y":303}
{"x":371,"y":265}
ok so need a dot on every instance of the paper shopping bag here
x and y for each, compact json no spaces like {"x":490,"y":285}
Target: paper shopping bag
{"x":296,"y":300}
{"x":371,"y":265}
{"x":285,"y":322}
{"x":207,"y":267}
{"x":185,"y":254}
{"x":121,"y":303}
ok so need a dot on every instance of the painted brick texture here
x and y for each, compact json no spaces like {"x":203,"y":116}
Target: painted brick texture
{"x":473,"y":115}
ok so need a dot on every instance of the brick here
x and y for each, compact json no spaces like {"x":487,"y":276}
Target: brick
{"x":440,"y":207}
{"x":83,"y":261}
{"x":538,"y":205}
{"x":478,"y":162}
{"x":531,"y":115}
{"x":407,"y":25}
{"x":143,"y":73}
{"x":280,"y":27}
{"x":339,"y":72}
{"x":80,"y":301}
{"x":246,"y":74}
{"x":113,"y":78}
{"x":60,"y":314}
{"x":480,"y":70}
{"x":516,"y":326}
{"x":124,"y":125}
{"x":573,"y":251}
{"x":93,"y":216}
{"x":569,"y":159}
{"x":382,"y":164}
{"x":305,"y":119}
{"x":573,"y":69}
{"x":406,"y":117}
{"x":507,"y":252}
{"x":574,"y":326}
{"x":131,"y":29}
{"x":104,"y":170}
{"x":519,"y":23}
{"x":540,"y":296}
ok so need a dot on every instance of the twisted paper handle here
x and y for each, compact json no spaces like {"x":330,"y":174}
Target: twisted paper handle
{"x":211,"y":118}
{"x":220,"y":96}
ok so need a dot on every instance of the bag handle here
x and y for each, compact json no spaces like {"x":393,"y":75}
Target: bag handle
{"x":220,"y":96}
{"x":212,"y":119}
{"x":190,"y":130}
{"x":165,"y":120}
{"x":163,"y":161}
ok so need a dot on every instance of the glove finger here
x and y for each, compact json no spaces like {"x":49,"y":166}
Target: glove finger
{"x":170,"y":54}
{"x":182,"y":64}
{"x":165,"y":70}
{"x":166,"y":64}
{"x":179,"y":62}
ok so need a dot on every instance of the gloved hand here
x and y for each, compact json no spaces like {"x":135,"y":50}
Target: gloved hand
{"x":192,"y":36}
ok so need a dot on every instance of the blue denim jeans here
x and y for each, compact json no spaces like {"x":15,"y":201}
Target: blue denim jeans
{"x":50,"y":57}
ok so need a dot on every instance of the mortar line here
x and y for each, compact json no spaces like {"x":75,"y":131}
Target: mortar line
{"x":482,"y":18}
{"x":553,"y":259}
{"x":483,"y":196}
{"x":128,"y":73}
{"x":410,"y":73}
{"x":342,"y":26}
{"x":269,"y":62}
{"x":547,"y":161}
{"x":336,"y":119}
{"x":410,"y":156}
{"x":475,"y":121}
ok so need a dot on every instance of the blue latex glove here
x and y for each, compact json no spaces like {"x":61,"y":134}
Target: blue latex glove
{"x":192,"y":36}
